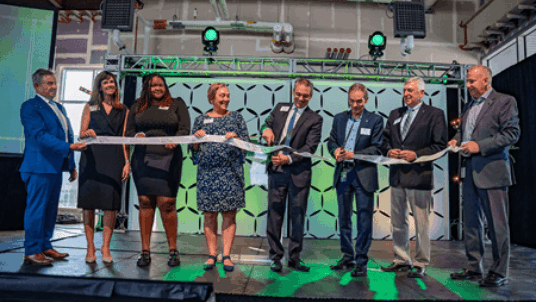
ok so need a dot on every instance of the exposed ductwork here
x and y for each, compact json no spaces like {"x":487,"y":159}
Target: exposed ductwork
{"x":283,"y":33}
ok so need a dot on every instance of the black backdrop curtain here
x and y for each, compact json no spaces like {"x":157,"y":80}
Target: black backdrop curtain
{"x":520,"y":82}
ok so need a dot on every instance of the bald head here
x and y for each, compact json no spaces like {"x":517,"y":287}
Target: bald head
{"x":478,"y":80}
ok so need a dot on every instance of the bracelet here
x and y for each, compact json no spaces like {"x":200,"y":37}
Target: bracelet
{"x":127,"y":161}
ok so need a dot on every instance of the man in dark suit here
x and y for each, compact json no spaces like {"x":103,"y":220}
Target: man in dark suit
{"x":412,"y":131}
{"x":490,"y":124}
{"x":48,"y":152}
{"x":356,"y":131}
{"x":299,"y":127}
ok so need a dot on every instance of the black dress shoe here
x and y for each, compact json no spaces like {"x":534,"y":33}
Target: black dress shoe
{"x":465,"y":274}
{"x":493,"y":280}
{"x":276,"y":266}
{"x":359,"y":271}
{"x":343,"y":264}
{"x":297,"y":265}
{"x":417,"y":272}
{"x":395,"y":267}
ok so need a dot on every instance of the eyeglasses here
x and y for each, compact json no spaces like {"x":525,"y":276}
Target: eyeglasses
{"x":358,"y":101}
{"x":299,"y":95}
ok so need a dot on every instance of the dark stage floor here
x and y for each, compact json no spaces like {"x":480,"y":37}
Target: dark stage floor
{"x":253,"y":277}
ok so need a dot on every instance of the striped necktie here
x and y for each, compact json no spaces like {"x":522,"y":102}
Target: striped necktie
{"x":407,"y":123}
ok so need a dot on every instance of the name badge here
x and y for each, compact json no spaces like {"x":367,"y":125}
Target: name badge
{"x":397,"y":121}
{"x":164,"y":108}
{"x":285,"y":108}
{"x":208,"y":121}
{"x":94,"y":108}
{"x":365,"y":131}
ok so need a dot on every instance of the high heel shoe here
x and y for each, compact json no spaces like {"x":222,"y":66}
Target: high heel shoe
{"x":227,"y":268}
{"x":91,"y":259}
{"x":106,"y":260}
{"x":208,"y":267}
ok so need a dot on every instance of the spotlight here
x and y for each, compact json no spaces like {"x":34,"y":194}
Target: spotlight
{"x":211,"y":39}
{"x":456,"y":179}
{"x":376,"y":44}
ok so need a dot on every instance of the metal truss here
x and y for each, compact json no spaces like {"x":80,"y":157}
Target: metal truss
{"x":179,"y":66}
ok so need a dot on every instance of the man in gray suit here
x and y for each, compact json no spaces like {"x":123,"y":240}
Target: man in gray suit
{"x":490,"y":124}
{"x":412,"y":131}
{"x":297,"y":126}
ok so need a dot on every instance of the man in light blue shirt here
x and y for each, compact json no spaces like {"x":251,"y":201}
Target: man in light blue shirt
{"x":356,"y":131}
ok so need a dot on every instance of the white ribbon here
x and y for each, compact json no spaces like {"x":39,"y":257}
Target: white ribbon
{"x":381,"y":160}
{"x":192,"y":139}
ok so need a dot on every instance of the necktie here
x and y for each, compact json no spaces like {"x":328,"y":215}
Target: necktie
{"x":407,"y":123}
{"x":290,"y":126}
{"x":61,"y":117}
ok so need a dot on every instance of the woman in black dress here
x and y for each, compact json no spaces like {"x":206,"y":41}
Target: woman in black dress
{"x":157,"y":169}
{"x":102,"y":167}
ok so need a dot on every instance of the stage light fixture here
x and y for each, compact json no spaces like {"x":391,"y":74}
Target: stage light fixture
{"x":376,"y":44}
{"x":211,"y":39}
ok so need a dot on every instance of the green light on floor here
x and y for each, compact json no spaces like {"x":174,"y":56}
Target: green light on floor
{"x":381,"y":283}
{"x":421,"y":284}
{"x":287,"y":285}
{"x":467,"y":290}
{"x":346,"y":278}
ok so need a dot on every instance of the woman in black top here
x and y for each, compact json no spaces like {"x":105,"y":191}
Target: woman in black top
{"x":157,"y":169}
{"x":102,"y":167}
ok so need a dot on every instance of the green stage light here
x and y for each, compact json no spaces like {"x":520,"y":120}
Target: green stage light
{"x":376,"y":44}
{"x":211,"y":39}
{"x":211,"y":34}
{"x":377,"y":40}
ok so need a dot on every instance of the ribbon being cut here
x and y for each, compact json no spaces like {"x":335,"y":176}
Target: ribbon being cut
{"x":257,"y":149}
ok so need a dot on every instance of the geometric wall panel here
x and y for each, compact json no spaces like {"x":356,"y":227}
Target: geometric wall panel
{"x":254,"y":99}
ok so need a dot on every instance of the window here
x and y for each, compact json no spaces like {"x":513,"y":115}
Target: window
{"x":74,"y":100}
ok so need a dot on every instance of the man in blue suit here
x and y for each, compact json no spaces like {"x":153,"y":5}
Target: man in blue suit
{"x":356,"y":131}
{"x":48,"y":145}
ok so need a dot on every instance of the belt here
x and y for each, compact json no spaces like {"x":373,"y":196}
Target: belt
{"x":348,"y":164}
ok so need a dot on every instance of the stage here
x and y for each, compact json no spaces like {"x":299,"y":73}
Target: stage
{"x":252,"y":275}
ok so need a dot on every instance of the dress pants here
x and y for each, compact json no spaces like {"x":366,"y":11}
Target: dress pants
{"x":494,"y":204}
{"x":280,"y":186}
{"x":419,"y":201}
{"x":41,"y":210}
{"x":364,"y":205}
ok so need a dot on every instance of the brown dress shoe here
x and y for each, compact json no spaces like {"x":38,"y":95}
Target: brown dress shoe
{"x":52,"y":253}
{"x":37,"y":259}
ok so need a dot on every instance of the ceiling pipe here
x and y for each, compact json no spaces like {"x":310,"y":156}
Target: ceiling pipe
{"x":55,"y":3}
{"x":216,"y":10}
{"x":147,"y":34}
{"x":223,"y":6}
{"x":428,"y":4}
{"x":117,"y":41}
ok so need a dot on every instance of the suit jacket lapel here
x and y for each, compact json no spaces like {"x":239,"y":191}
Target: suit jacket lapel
{"x":52,"y":112}
{"x":416,"y":120}
{"x":284,"y":121}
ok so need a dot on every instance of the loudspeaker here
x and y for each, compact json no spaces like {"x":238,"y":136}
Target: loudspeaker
{"x":118,"y":14}
{"x":12,"y":193}
{"x":408,"y":19}
{"x":27,"y":287}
